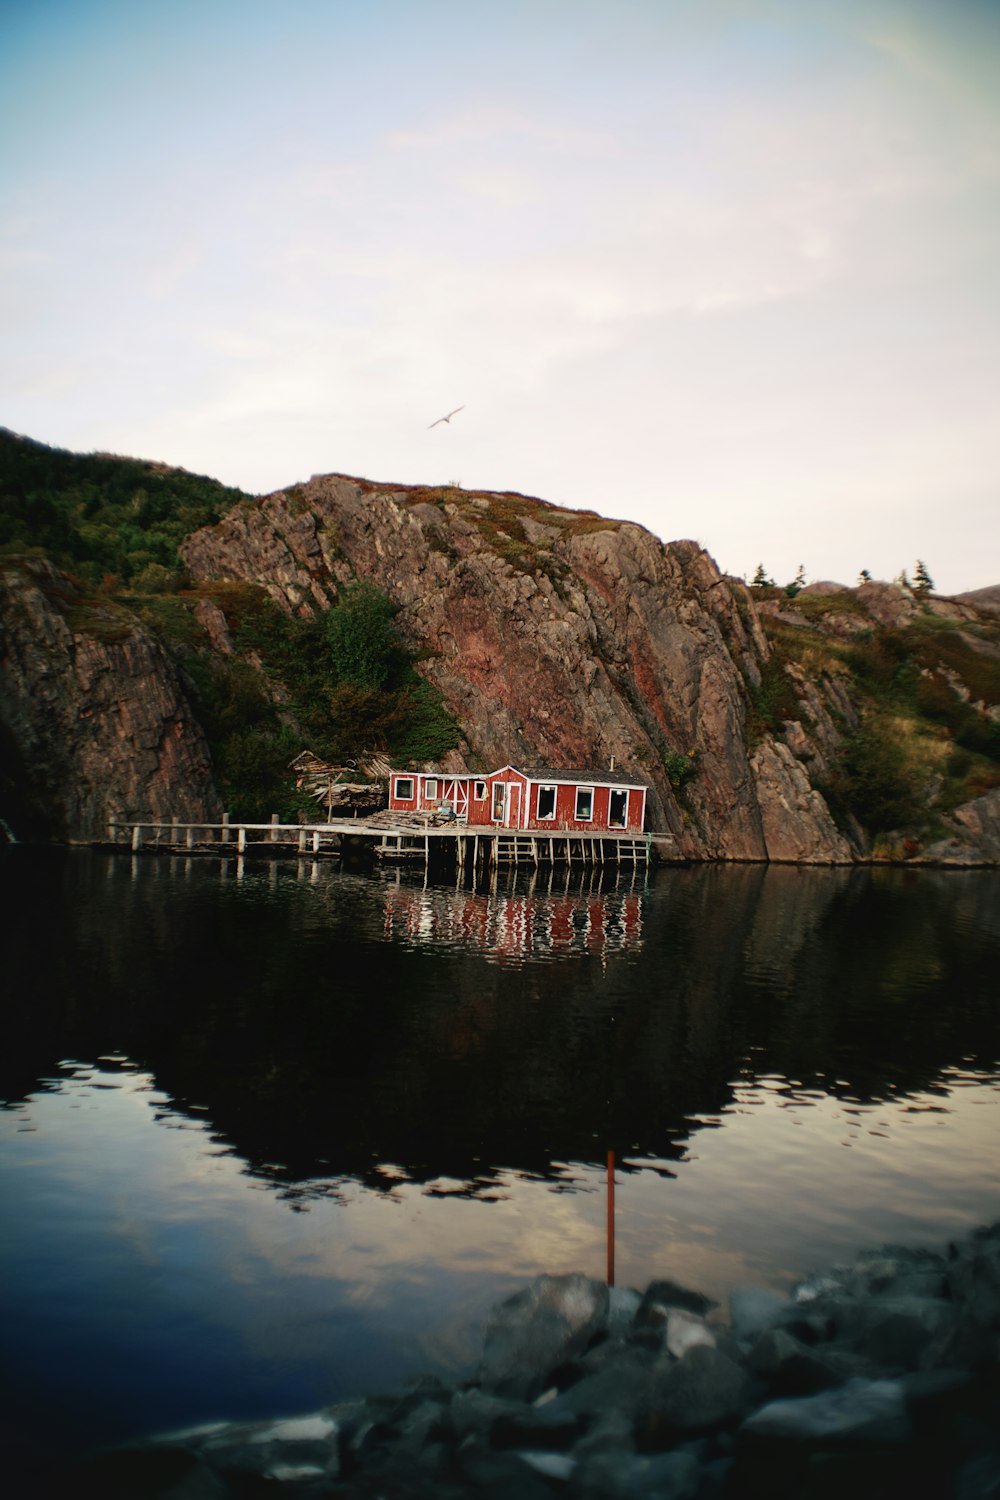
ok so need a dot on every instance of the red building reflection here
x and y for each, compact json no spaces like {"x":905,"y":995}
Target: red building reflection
{"x":549,"y":916}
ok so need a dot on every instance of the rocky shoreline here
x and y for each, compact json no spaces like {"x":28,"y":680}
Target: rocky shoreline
{"x":872,"y":1380}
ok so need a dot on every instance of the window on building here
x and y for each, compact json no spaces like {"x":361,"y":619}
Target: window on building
{"x":618,"y":809}
{"x":584,"y":804}
{"x":499,"y":798}
{"x":431,"y":787}
{"x":546,"y":803}
{"x":479,"y":791}
{"x":404,"y":789}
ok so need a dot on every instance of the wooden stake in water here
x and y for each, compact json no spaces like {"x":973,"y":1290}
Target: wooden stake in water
{"x":611,"y":1218}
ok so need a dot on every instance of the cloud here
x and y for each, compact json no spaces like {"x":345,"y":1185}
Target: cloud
{"x":668,"y":257}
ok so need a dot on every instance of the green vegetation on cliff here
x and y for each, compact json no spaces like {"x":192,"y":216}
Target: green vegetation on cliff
{"x":110,"y":521}
{"x":926,"y":692}
{"x":340,"y":685}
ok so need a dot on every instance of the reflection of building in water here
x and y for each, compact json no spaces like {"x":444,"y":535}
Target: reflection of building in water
{"x":565,"y":913}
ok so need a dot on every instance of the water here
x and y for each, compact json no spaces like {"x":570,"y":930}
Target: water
{"x":280,"y":1134}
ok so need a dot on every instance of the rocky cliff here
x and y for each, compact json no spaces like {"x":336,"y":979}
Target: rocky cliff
{"x":562,"y":638}
{"x":557,"y":638}
{"x":837,"y":725}
{"x":94,"y":723}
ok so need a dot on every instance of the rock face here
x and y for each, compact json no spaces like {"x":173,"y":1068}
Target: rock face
{"x":557,"y":638}
{"x":796,"y":821}
{"x":875,"y":1379}
{"x":94,"y":724}
{"x":974,"y":835}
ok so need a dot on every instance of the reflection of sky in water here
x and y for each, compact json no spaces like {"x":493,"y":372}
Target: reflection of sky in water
{"x":144,"y":1261}
{"x":782,"y":1045}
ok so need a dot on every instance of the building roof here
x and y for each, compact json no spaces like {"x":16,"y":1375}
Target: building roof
{"x":586,"y":777}
{"x":547,"y":774}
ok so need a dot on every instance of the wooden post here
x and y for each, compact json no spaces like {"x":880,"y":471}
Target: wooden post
{"x":315,"y":840}
{"x":173,"y":829}
{"x":273,"y":834}
{"x":302,"y":841}
{"x":241,"y":841}
{"x":189,"y":836}
{"x":136,"y":837}
{"x":611,"y":1218}
{"x":225,"y":828}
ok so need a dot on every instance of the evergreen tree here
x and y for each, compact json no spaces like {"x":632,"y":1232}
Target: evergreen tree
{"x":864,"y":576}
{"x":760,"y":579}
{"x":923,"y":581}
{"x":798,"y":582}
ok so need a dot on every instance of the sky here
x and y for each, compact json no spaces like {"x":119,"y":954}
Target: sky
{"x":728,"y":268}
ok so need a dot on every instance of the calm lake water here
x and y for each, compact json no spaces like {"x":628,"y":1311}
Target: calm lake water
{"x":276,"y":1137}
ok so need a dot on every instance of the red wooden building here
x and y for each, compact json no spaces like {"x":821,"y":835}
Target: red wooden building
{"x":541,"y":799}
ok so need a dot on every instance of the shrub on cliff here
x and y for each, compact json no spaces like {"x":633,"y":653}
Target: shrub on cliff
{"x":96,"y":514}
{"x":874,"y":782}
{"x":340,"y":684}
{"x":363,"y":646}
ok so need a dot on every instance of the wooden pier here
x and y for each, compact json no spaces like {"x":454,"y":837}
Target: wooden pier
{"x":390,"y":838}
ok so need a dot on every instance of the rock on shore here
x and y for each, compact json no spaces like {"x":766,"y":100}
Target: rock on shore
{"x":873,"y":1380}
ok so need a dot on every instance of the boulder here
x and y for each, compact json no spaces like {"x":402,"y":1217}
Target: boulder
{"x":788,"y":1365}
{"x":536,"y":1330}
{"x":752,"y":1309}
{"x":703,"y":1390}
{"x":858,"y":1411}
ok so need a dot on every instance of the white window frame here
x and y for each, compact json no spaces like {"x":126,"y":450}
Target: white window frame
{"x":578,"y":816}
{"x":401,"y":781}
{"x":431,"y":788}
{"x":498,"y":816}
{"x":479,"y":791}
{"x":618,"y":791}
{"x":546,"y":817}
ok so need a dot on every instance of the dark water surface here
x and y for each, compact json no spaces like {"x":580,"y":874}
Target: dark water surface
{"x":272,"y":1141}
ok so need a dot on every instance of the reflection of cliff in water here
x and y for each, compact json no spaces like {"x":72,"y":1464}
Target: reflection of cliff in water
{"x":329,"y":1028}
{"x":548,"y":914}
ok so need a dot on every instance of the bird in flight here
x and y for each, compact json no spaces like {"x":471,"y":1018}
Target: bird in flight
{"x":447,"y":418}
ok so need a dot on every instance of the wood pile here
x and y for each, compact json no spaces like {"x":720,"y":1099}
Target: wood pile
{"x":330,"y":786}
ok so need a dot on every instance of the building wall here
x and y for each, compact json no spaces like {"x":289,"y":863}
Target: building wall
{"x":600,"y":820}
{"x":403,"y":804}
{"x":430,"y":792}
{"x":565,"y":820}
{"x":522,"y":802}
{"x":481,"y":812}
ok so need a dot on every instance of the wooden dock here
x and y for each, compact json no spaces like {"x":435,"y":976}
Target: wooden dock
{"x":390,"y":838}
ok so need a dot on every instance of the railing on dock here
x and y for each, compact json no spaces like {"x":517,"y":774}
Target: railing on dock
{"x":305,"y":837}
{"x":397,"y":841}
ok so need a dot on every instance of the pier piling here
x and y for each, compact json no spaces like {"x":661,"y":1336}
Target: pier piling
{"x":391,"y":838}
